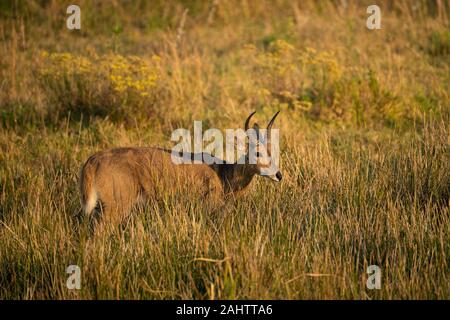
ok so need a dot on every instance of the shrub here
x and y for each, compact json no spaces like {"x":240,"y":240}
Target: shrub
{"x":316,"y":83}
{"x":111,"y":85}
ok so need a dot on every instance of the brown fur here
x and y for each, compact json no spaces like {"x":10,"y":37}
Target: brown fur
{"x":118,"y":178}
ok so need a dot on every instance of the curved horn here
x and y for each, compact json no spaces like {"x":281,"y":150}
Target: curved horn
{"x":269,"y":126}
{"x":248,"y":120}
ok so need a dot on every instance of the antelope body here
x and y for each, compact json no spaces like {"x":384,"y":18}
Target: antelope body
{"x":118,"y":178}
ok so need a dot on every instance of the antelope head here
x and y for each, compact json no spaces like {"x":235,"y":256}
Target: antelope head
{"x":259,"y":152}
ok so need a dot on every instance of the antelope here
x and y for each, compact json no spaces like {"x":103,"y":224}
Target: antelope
{"x":116,"y":179}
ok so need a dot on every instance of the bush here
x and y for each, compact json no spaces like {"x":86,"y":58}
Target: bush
{"x":111,"y":85}
{"x":316,"y":83}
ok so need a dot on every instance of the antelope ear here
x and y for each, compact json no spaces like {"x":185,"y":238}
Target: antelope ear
{"x":258,"y":133}
{"x":253,"y":136}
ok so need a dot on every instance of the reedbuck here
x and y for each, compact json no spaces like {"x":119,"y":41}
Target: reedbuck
{"x":116,"y":179}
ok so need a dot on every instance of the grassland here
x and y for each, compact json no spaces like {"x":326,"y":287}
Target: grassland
{"x":364,"y":147}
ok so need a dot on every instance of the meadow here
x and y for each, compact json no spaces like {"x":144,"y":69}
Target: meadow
{"x":364,"y":128}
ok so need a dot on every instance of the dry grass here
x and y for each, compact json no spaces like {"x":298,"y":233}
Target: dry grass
{"x":365,"y":147}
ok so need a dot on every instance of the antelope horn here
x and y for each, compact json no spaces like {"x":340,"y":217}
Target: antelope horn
{"x":269,"y":127}
{"x":248,"y":120}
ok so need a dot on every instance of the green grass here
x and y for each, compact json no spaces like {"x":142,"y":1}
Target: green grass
{"x":364,"y":150}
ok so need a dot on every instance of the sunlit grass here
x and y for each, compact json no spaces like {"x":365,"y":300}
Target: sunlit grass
{"x":364,"y":143}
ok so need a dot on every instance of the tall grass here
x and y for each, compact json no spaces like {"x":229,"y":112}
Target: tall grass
{"x":364,"y":132}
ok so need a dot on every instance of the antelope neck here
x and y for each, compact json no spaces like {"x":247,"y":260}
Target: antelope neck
{"x":235,"y":177}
